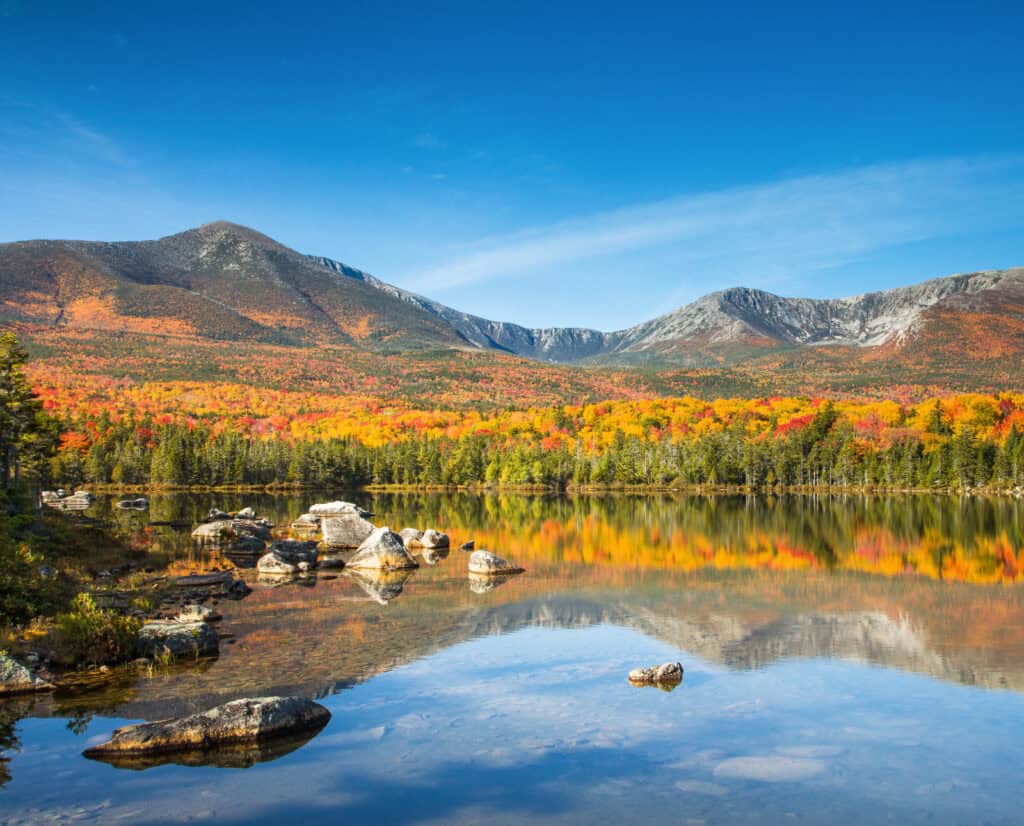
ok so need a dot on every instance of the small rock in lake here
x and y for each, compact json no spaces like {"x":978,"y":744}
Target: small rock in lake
{"x":382,"y":550}
{"x":434,"y":539}
{"x":246,"y":513}
{"x":664,"y":674}
{"x":217,"y":515}
{"x":488,"y":564}
{"x":139,"y":504}
{"x":236,"y":722}
{"x":16,"y":678}
{"x":468,"y":546}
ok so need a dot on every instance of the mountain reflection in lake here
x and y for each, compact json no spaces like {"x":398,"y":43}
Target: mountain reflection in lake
{"x":840,"y":655}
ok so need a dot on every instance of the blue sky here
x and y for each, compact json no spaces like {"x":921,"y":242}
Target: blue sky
{"x":555,"y":163}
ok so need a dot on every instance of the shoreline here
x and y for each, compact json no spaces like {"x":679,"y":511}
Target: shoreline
{"x":572,"y":490}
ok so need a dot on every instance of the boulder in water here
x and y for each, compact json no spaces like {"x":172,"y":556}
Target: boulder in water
{"x":383,"y":550}
{"x":161,"y":638}
{"x":239,"y":721}
{"x":337,"y":509}
{"x":349,"y":530}
{"x":487,"y":564}
{"x":434,"y":539}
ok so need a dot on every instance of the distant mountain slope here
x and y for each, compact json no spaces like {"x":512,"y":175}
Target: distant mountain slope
{"x":219,"y":281}
{"x":222,"y":281}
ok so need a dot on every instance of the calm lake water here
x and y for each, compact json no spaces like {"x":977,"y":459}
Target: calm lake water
{"x":848,"y":660}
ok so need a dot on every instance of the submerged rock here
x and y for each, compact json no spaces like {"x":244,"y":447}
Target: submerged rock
{"x":664,"y":674}
{"x":382,"y":550}
{"x":16,"y":678}
{"x":487,"y":564}
{"x":161,"y":638}
{"x":218,"y":583}
{"x":349,"y":530}
{"x":239,"y":721}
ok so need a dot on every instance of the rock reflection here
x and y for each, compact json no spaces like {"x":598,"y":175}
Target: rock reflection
{"x":382,"y":586}
{"x":232,"y":756}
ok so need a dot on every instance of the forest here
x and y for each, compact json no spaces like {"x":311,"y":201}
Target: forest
{"x":194,"y":434}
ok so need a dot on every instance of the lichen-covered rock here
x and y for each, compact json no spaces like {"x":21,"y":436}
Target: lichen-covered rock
{"x":349,"y":530}
{"x":664,"y":674}
{"x":435,"y":539}
{"x":161,"y":638}
{"x":236,"y":722}
{"x":16,"y":678}
{"x":337,"y":509}
{"x":383,"y":550}
{"x":487,"y":564}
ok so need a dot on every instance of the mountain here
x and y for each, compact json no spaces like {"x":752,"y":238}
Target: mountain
{"x":219,"y":281}
{"x":226,"y":282}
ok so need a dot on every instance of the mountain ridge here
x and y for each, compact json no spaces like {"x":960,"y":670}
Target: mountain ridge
{"x":226,"y":281}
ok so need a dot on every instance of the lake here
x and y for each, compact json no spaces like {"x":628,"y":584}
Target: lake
{"x":847,"y":660}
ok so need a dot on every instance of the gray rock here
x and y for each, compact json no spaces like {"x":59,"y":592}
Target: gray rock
{"x":215,"y":531}
{"x":434,"y":539}
{"x":246,"y":513}
{"x":179,"y":639}
{"x":383,"y":550}
{"x":139,"y":504}
{"x":337,"y":509}
{"x":468,"y":546}
{"x":306,"y":522}
{"x":487,"y":564}
{"x":239,"y":721}
{"x":411,"y":538}
{"x":664,"y":674}
{"x":288,"y":557}
{"x":349,"y":530}
{"x":217,"y":515}
{"x":16,"y":678}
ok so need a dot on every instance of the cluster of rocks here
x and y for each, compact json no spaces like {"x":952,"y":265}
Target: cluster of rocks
{"x":178,"y":638}
{"x":242,"y":535}
{"x":18,"y":678}
{"x":666,"y":675}
{"x":80,"y":500}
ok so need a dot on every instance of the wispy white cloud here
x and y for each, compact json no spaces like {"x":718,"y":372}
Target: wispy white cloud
{"x":782,"y":229}
{"x":40,"y":131}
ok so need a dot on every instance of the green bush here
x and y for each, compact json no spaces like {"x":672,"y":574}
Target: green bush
{"x":88,"y":635}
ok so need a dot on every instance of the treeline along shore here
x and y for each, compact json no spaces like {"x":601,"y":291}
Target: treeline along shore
{"x":931,"y":450}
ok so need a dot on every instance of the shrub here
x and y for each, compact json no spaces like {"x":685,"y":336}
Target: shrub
{"x":88,"y":635}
